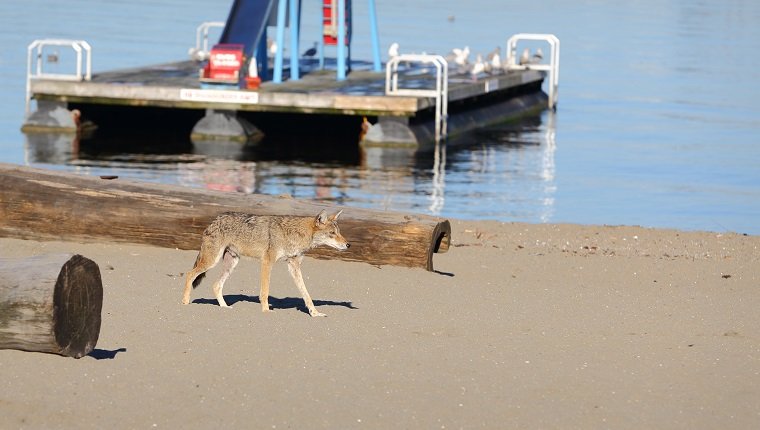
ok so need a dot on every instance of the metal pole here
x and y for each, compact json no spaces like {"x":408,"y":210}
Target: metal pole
{"x":281,"y":6}
{"x":341,"y":40}
{"x":294,"y":12}
{"x":374,"y":35}
{"x":321,"y":40}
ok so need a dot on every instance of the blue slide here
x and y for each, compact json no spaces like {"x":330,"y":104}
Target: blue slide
{"x":247,"y":23}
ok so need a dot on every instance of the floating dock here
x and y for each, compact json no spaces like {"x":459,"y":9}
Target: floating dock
{"x":416,"y":101}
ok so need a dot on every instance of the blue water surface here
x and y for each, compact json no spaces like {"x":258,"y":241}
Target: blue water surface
{"x":657,"y":123}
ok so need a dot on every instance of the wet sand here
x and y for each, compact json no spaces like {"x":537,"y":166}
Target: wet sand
{"x":522,"y":326}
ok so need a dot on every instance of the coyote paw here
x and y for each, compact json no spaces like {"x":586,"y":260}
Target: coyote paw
{"x":314,"y":313}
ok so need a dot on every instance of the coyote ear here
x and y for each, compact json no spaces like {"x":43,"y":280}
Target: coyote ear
{"x":335,"y":217}
{"x":321,"y":217}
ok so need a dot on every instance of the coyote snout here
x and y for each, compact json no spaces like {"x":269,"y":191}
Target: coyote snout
{"x":269,"y":238}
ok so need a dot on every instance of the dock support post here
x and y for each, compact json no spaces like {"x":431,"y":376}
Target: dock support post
{"x":51,"y":116}
{"x":294,"y":52}
{"x":374,"y":35}
{"x":224,"y":125}
{"x":391,"y":132}
{"x":341,"y":40}
{"x":281,"y":5}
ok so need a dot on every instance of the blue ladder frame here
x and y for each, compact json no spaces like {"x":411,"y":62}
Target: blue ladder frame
{"x":294,"y":7}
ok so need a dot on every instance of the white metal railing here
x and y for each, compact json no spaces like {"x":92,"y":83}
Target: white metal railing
{"x":82,"y":50}
{"x":201,"y":38}
{"x":440,"y":93}
{"x":552,"y":67}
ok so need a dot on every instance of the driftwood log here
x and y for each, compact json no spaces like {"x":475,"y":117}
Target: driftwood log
{"x":50,"y":303}
{"x":47,"y":205}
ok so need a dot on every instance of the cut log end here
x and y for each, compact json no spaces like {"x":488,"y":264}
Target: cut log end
{"x":77,"y":302}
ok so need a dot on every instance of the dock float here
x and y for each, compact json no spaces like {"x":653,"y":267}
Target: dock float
{"x":415,"y":102}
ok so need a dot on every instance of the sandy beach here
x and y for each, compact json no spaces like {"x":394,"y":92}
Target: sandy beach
{"x":521,"y":326}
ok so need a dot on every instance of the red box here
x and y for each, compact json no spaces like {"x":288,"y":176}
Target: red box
{"x":224,"y":63}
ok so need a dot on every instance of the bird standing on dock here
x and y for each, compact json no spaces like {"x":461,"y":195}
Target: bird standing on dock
{"x":477,"y":68}
{"x":525,"y":57}
{"x":493,"y":59}
{"x":197,"y":54}
{"x":393,"y":50}
{"x":311,"y":51}
{"x":460,"y":55}
{"x":271,"y":47}
{"x":537,"y":57}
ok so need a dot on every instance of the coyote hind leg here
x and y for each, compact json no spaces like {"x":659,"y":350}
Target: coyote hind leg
{"x":203,"y":263}
{"x":231,"y":260}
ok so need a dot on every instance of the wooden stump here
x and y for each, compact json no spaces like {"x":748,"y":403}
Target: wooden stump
{"x":50,"y":303}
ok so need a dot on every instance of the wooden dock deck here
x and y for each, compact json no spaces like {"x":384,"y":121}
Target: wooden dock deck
{"x":362,"y":94}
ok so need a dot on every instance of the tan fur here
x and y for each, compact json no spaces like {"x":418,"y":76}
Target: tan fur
{"x":269,"y":238}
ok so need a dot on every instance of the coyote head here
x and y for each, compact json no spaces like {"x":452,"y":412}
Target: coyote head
{"x":327,"y":232}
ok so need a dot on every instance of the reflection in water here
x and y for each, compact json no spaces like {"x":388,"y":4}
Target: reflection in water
{"x":439,"y":178}
{"x":547,"y":167}
{"x":506,"y":172}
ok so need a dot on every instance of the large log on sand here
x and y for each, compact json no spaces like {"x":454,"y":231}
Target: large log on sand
{"x":50,"y":303}
{"x":41,"y":204}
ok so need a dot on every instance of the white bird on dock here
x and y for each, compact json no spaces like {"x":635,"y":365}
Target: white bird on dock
{"x":393,"y":50}
{"x":477,"y":68}
{"x":197,"y":54}
{"x":525,"y":57}
{"x":460,"y":55}
{"x":537,"y":57}
{"x":271,"y":47}
{"x":493,"y":59}
{"x":311,"y":51}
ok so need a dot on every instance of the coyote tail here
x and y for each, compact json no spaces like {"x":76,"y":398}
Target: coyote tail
{"x":199,"y":278}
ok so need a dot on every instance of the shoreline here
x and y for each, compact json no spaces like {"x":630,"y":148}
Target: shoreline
{"x":521,"y":325}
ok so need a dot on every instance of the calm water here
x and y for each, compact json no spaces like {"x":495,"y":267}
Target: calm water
{"x":657,"y":125}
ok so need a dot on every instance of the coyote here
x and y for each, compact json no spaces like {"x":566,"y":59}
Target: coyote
{"x":270,"y":238}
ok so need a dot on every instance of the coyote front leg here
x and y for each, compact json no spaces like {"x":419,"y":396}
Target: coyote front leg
{"x":294,"y":267}
{"x":267,"y":260}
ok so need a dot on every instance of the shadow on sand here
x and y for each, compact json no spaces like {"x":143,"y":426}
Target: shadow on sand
{"x":275,"y":303}
{"x":104,"y":354}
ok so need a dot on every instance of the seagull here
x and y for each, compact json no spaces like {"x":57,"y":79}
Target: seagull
{"x":460,"y":55}
{"x":525,"y":57}
{"x":393,"y":50}
{"x":311,"y":51}
{"x":271,"y":47}
{"x":494,"y":60}
{"x":537,"y":57}
{"x":197,"y":54}
{"x":478,"y":68}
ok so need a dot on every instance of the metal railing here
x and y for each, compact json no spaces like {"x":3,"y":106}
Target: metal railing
{"x":552,"y":67}
{"x":440,"y":93}
{"x":201,"y":37}
{"x":82,"y":50}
